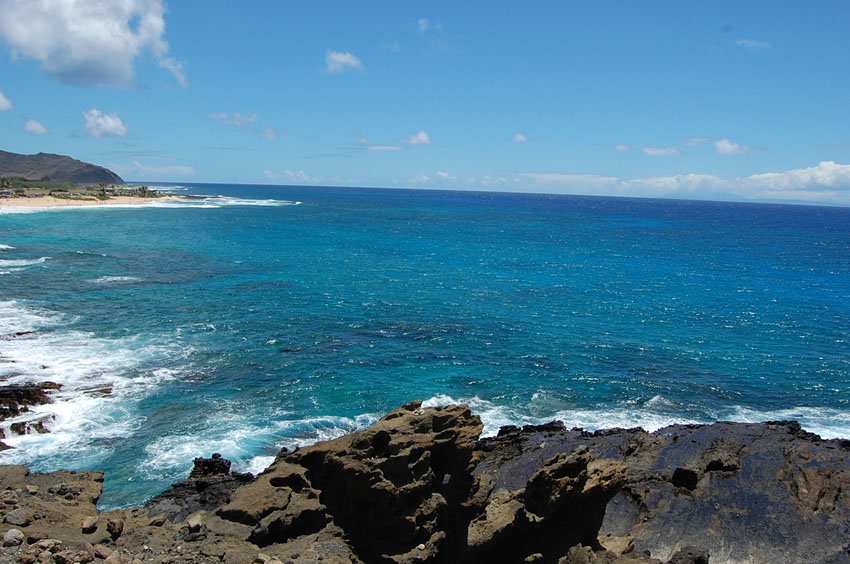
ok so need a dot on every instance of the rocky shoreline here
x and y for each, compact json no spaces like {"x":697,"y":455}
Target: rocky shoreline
{"x":421,"y":486}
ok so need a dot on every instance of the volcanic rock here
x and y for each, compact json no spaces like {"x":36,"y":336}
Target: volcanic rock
{"x":420,"y":486}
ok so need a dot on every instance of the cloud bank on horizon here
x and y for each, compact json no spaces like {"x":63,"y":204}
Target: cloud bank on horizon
{"x":693,"y":104}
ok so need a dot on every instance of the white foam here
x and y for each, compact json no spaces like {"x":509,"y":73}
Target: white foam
{"x":6,"y":247}
{"x":115,"y":279}
{"x":223,"y":201}
{"x":826,"y":422}
{"x":244,"y":442}
{"x":652,"y":415}
{"x":200,"y":202}
{"x":22,"y":262}
{"x":17,"y":210}
{"x":102,"y":380}
{"x":236,"y":438}
{"x":158,"y":188}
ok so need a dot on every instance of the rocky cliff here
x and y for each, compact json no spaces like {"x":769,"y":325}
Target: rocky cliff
{"x":421,"y":486}
{"x":57,"y":168}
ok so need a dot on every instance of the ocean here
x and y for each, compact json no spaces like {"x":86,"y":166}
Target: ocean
{"x":252,"y":318}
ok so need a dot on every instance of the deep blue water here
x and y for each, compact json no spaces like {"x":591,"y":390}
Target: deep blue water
{"x":242,"y":323}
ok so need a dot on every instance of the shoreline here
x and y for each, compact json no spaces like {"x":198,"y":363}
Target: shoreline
{"x":422,"y":485}
{"x":52,"y":202}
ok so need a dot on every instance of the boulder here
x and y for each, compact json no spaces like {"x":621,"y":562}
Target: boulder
{"x":13,"y":537}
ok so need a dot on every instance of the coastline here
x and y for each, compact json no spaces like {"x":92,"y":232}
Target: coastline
{"x":52,"y":202}
{"x":421,"y":485}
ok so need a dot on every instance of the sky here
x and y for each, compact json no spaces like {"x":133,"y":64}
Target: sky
{"x":707,"y":100}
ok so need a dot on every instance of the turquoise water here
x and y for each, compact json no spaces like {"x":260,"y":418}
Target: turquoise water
{"x":263,"y":317}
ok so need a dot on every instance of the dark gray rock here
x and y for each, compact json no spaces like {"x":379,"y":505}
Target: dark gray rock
{"x":209,"y":486}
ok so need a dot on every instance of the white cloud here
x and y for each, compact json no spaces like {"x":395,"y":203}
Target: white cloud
{"x":490,"y":182}
{"x":88,"y":43}
{"x":520,"y":138}
{"x":661,"y":151}
{"x":827,"y":183}
{"x":384,"y":148}
{"x":175,"y":67}
{"x":419,"y":138}
{"x":621,"y":148}
{"x":100,"y":124}
{"x":753,"y":45}
{"x":394,"y":47}
{"x":270,"y":133}
{"x":727,"y":147}
{"x":35,"y":127}
{"x":445,"y":176}
{"x":235,"y":119}
{"x":5,"y":104}
{"x":569,"y":180}
{"x":424,"y":25}
{"x":421,"y":180}
{"x":696,"y":141}
{"x":827,"y":174}
{"x":290,"y":176}
{"x":338,"y":62}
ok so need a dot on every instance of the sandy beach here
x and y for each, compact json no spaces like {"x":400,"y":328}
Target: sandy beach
{"x":51,"y":202}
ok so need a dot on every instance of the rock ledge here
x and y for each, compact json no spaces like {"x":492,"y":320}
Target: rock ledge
{"x":421,"y":486}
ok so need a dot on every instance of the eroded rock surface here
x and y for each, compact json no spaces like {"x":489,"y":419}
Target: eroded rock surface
{"x":420,"y":486}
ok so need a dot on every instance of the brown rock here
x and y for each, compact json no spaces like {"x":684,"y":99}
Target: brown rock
{"x":36,"y":536}
{"x":21,"y":517}
{"x":9,"y":497}
{"x":89,"y":525}
{"x":115,"y":527}
{"x":50,"y":545}
{"x":102,"y":552}
{"x":118,"y":558}
{"x":502,"y":516}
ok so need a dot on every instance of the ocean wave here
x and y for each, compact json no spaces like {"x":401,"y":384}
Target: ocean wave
{"x":115,"y":279}
{"x":22,"y":262}
{"x":159,"y":188}
{"x":224,"y":201}
{"x":199,"y":202}
{"x":652,"y":415}
{"x":102,"y":379}
{"x":248,"y":443}
{"x":17,"y":210}
{"x":6,"y":247}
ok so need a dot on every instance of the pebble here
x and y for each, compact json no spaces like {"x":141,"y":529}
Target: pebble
{"x":32,"y":490}
{"x":13,"y":537}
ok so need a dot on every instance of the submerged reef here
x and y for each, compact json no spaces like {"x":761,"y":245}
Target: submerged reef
{"x":421,"y":486}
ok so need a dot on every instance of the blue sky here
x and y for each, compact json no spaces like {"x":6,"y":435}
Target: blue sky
{"x":718,"y":100}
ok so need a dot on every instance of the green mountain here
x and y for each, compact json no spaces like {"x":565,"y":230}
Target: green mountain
{"x":56,"y":168}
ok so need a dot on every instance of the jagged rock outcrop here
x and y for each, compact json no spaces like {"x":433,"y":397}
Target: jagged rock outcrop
{"x":16,"y":399}
{"x":420,"y":486}
{"x":47,"y":166}
{"x":209,"y":486}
